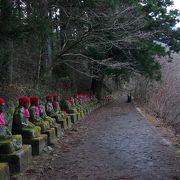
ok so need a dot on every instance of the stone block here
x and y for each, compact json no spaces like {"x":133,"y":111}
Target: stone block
{"x":51,"y":136}
{"x":29,"y":133}
{"x":73,"y":117}
{"x":63,"y":123}
{"x":87,"y":111}
{"x":58,"y":130}
{"x":82,"y":113}
{"x":78,"y":116}
{"x":4,"y":171}
{"x":69,"y":123}
{"x":90,"y":109}
{"x":7,"y":147}
{"x":19,"y":160}
{"x":38,"y":144}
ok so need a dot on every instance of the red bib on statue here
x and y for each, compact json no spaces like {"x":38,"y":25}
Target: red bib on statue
{"x":2,"y":119}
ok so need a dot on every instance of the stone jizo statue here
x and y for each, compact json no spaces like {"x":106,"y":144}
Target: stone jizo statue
{"x":21,"y":123}
{"x":35,"y":117}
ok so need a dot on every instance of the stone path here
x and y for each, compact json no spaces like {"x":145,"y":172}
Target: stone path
{"x":113,"y":143}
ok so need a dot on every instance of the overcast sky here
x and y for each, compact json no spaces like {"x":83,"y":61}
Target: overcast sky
{"x":177,"y":3}
{"x":177,"y":6}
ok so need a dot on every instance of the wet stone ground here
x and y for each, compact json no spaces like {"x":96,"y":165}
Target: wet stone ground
{"x":115,"y":142}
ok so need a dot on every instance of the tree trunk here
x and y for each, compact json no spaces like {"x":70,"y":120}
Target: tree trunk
{"x":11,"y":60}
{"x":50,"y":58}
{"x":97,"y":87}
{"x":39,"y":67}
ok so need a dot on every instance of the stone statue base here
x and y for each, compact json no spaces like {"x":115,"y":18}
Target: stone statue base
{"x":38,"y":144}
{"x":58,"y":130}
{"x":19,"y":160}
{"x":11,"y":144}
{"x":63,"y":123}
{"x":29,"y":133}
{"x":78,"y":116}
{"x":4,"y":171}
{"x":69,"y":123}
{"x":51,"y":136}
{"x":73,"y":117}
{"x":82,"y":114}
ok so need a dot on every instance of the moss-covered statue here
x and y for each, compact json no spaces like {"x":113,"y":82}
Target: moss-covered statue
{"x":77,"y":102}
{"x":21,"y":123}
{"x":49,"y":108}
{"x":44,"y":116}
{"x":35,"y":115}
{"x":68,"y":106}
{"x":7,"y":140}
{"x":56,"y":106}
{"x":51,"y":112}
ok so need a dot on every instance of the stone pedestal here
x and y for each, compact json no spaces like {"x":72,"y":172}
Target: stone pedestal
{"x":82,"y":114}
{"x":4,"y":171}
{"x":51,"y":136}
{"x":38,"y":144}
{"x":73,"y":117}
{"x":6,"y":145}
{"x":63,"y":123}
{"x":58,"y":130}
{"x":19,"y":160}
{"x":69,"y":123}
{"x":87,"y":111}
{"x":78,"y":116}
{"x":84,"y":111}
{"x":29,"y":133}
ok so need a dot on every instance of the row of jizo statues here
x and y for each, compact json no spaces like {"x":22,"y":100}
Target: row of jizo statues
{"x":26,"y":129}
{"x":35,"y":115}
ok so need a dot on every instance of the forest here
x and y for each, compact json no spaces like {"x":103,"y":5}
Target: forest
{"x":94,"y":46}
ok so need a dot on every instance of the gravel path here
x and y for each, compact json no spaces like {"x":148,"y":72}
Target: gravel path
{"x":114,"y":142}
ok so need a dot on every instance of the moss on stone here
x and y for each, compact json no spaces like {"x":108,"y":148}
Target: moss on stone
{"x":37,"y":144}
{"x":69,"y":123}
{"x":10,"y":145}
{"x":18,"y":160}
{"x":44,"y":125}
{"x":51,"y":134}
{"x":31,"y":132}
{"x":73,"y":117}
{"x":4,"y":171}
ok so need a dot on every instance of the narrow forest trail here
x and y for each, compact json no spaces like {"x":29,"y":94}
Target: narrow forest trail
{"x":114,"y":142}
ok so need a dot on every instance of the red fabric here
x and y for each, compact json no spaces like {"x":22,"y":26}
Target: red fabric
{"x":57,"y":104}
{"x":49,"y":97}
{"x":42,"y":107}
{"x":37,"y":111}
{"x":55,"y":96}
{"x":34,"y":99}
{"x":24,"y":99}
{"x":51,"y":105}
{"x":2,"y":101}
{"x":2,"y":119}
{"x":26,"y":113}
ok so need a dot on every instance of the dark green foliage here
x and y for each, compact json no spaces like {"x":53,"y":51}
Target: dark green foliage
{"x":142,"y":54}
{"x":128,"y":32}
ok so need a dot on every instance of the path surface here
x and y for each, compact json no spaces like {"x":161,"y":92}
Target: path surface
{"x":113,"y":143}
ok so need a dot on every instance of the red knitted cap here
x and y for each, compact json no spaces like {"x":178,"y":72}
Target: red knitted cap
{"x":34,"y":99}
{"x":2,"y":101}
{"x":49,"y":97}
{"x":55,"y":96}
{"x":24,"y":99}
